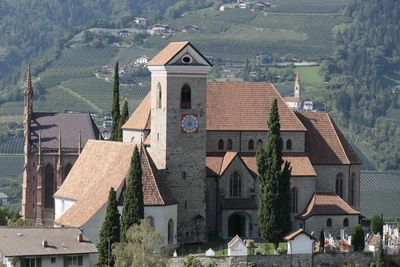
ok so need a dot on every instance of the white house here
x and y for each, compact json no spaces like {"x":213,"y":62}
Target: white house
{"x":140,"y":21}
{"x":3,"y":199}
{"x":45,"y":247}
{"x":142,"y":60}
{"x":236,"y":247}
{"x":299,"y":242}
{"x":81,"y":201}
{"x":308,"y":105}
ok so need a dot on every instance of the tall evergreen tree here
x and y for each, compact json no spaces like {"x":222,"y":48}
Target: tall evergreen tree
{"x":274,"y":200}
{"x":133,"y":209}
{"x":115,"y":112}
{"x":123,"y":119}
{"x":110,"y":231}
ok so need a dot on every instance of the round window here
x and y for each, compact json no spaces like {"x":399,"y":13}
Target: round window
{"x":187,"y":59}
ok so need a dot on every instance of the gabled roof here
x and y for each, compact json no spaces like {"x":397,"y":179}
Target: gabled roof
{"x":292,"y":235}
{"x":326,"y":203}
{"x":168,"y":53}
{"x":102,"y":165}
{"x":19,"y":242}
{"x":235,"y":240}
{"x":246,"y":106}
{"x":69,"y":124}
{"x":140,"y":119}
{"x":325,"y":143}
{"x":217,"y":163}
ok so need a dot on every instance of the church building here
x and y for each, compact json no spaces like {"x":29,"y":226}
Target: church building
{"x":198,"y":142}
{"x":52,"y":144}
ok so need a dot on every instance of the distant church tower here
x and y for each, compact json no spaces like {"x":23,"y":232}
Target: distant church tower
{"x":178,"y":132}
{"x":47,"y":158}
{"x":297,"y":87}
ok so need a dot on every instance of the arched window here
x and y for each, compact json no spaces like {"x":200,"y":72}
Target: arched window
{"x":49,"y":186}
{"x":251,"y":144}
{"x":289,"y":144}
{"x":159,"y":103}
{"x":259,"y":142}
{"x":294,"y":199}
{"x":229,"y":144}
{"x":352,"y":188}
{"x":150,"y":219}
{"x":329,"y":222}
{"x":170,"y":231}
{"x":186,"y":97}
{"x":221,"y":144}
{"x":67,"y":170}
{"x":346,"y":222}
{"x":339,"y":185}
{"x":235,"y":185}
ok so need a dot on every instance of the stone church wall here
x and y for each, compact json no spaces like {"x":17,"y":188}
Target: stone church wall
{"x":240,"y":140}
{"x":318,"y":223}
{"x":305,"y":188}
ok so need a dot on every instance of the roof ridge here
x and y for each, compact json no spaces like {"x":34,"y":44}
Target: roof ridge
{"x":337,"y":137}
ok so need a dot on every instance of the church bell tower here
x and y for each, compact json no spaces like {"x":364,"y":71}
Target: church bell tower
{"x":178,"y":132}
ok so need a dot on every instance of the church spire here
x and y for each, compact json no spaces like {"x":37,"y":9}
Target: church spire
{"x":28,"y":92}
{"x":297,"y":86}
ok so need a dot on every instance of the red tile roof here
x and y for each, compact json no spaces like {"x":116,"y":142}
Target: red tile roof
{"x":102,"y":165}
{"x":326,"y":203}
{"x":325,"y":143}
{"x":246,"y":106}
{"x":140,"y":119}
{"x":167,"y":53}
{"x":295,"y":233}
{"x":217,"y":163}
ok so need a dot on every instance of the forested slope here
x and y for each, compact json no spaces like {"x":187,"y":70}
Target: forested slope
{"x":364,"y":76}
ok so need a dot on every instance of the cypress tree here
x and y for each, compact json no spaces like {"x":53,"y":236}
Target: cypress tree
{"x":133,"y":209}
{"x":274,"y":199}
{"x":123,"y":119}
{"x":115,"y":106}
{"x":110,"y":231}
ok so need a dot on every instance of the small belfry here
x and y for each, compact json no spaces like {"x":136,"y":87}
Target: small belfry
{"x":297,"y":86}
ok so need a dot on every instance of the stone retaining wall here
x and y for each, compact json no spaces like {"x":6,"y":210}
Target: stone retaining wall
{"x":301,"y":260}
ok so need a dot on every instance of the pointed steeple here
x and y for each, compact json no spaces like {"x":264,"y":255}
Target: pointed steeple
{"x":28,"y":92}
{"x":59,"y":164}
{"x":80,"y":143}
{"x":297,"y":86}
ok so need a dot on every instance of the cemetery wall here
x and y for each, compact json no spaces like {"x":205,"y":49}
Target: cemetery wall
{"x":315,"y":260}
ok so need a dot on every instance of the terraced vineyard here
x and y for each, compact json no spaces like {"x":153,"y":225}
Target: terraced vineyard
{"x":11,"y":165}
{"x":13,"y":145}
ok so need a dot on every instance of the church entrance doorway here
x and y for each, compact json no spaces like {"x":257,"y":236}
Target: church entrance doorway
{"x":237,"y":225}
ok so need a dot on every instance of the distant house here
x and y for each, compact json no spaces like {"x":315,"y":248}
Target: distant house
{"x":3,"y":199}
{"x":142,"y":60}
{"x":45,"y":247}
{"x":222,"y":8}
{"x":140,"y":21}
{"x":299,"y":242}
{"x":373,"y":243}
{"x":243,"y":5}
{"x":190,"y":29}
{"x":123,"y":33}
{"x":308,"y":105}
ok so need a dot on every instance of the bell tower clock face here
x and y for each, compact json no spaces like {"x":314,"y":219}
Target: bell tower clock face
{"x":190,"y":123}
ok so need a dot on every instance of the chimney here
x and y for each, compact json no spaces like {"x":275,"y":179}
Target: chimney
{"x":44,"y":244}
{"x":80,"y":237}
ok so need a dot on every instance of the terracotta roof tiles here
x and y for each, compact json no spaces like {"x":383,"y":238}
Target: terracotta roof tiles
{"x":246,"y":106}
{"x":140,"y":118}
{"x":326,"y":203}
{"x":295,"y":233}
{"x":325,"y":144}
{"x":167,"y":53}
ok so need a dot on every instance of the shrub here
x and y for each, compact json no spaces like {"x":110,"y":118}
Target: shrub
{"x":191,"y":261}
{"x":357,"y":238}
{"x":376,"y":224}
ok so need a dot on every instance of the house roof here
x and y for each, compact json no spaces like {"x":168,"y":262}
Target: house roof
{"x":292,"y":235}
{"x":102,"y":165}
{"x":217,"y":163}
{"x":374,"y":240}
{"x":168,"y":53}
{"x":2,"y":195}
{"x":246,"y":106}
{"x":70,"y":125}
{"x":325,"y":143}
{"x":140,"y":119}
{"x":226,"y":110}
{"x":28,"y":242}
{"x":379,"y":194}
{"x":326,"y":203}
